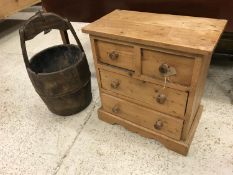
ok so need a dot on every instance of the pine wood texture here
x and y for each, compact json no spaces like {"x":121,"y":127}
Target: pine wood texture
{"x":151,"y":60}
{"x":166,"y":31}
{"x":181,"y":147}
{"x":8,"y":7}
{"x":146,"y":93}
{"x":134,"y":52}
{"x":139,"y":115}
{"x":124,"y":54}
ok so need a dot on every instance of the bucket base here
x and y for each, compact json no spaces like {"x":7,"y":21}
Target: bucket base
{"x":70,"y":104}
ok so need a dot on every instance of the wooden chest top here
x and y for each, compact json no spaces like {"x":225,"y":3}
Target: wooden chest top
{"x":183,"y":33}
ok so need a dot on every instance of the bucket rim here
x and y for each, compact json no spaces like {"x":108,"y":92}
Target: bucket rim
{"x":62,"y":70}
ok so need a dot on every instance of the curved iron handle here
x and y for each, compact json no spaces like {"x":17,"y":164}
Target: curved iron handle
{"x":43,"y":21}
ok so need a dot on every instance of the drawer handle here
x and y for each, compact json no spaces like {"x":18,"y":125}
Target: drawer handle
{"x":113,"y":55}
{"x":161,"y":98}
{"x":163,"y":68}
{"x":167,"y":70}
{"x":116,"y":109}
{"x":158,"y":125}
{"x":115,"y":84}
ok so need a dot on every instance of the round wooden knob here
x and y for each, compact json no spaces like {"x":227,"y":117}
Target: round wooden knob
{"x":158,"y":125}
{"x":115,"y":109}
{"x":161,"y":98}
{"x":115,"y":84}
{"x":163,"y":68}
{"x":113,"y":55}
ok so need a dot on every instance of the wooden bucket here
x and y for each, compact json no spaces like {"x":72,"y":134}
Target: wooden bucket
{"x":59,"y":74}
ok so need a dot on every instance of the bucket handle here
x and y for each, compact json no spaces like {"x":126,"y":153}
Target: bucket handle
{"x":43,"y":21}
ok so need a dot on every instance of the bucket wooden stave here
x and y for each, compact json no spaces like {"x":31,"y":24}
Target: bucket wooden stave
{"x":59,"y":74}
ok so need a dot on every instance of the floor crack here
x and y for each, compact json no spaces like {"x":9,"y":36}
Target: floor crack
{"x":76,"y":137}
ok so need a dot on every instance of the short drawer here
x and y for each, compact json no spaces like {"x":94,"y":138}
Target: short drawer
{"x":155,"y":64}
{"x":142,"y":116}
{"x":166,"y":100}
{"x":118,"y":55}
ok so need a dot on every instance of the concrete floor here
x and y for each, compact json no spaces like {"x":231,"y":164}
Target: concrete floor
{"x":35,"y":141}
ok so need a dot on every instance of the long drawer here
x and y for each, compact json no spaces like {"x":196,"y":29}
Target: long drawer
{"x":169,"y":101}
{"x":142,"y":116}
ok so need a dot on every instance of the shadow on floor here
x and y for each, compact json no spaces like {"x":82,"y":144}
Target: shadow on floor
{"x":9,"y":26}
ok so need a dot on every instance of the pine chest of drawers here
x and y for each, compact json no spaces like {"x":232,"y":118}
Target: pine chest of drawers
{"x":151,"y":71}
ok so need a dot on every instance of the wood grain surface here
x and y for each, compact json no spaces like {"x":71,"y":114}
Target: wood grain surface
{"x":185,"y":33}
{"x":146,"y":93}
{"x":171,"y":126}
{"x":8,"y":7}
{"x":149,"y":47}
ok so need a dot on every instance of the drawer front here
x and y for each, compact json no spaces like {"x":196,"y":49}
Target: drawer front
{"x":115,"y":54}
{"x":166,"y":100}
{"x":155,"y":64}
{"x":142,"y":116}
